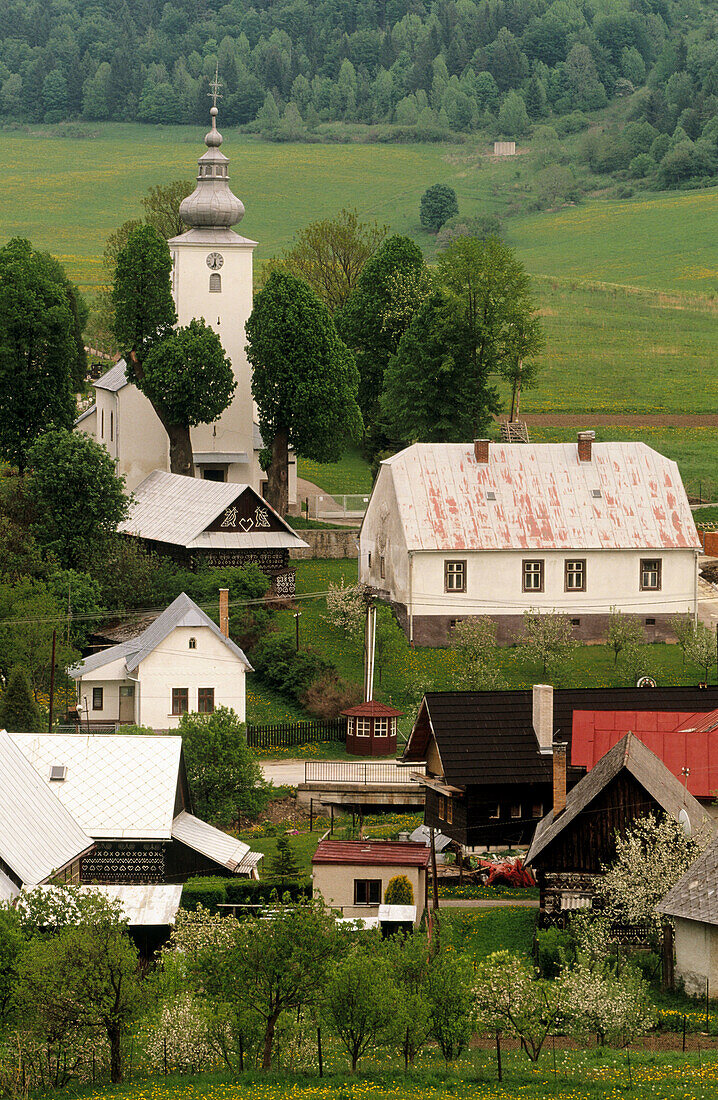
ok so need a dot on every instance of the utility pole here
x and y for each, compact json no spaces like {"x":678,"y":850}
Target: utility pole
{"x":296,"y":629}
{"x":52,"y":681}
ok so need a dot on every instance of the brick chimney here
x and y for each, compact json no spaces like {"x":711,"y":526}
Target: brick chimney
{"x":543,"y":716}
{"x":559,"y":777}
{"x":585,"y":445}
{"x":481,"y":450}
{"x":224,"y":611}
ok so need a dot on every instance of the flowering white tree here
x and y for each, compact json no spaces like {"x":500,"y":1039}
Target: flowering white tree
{"x":346,"y":608}
{"x":181,"y":1037}
{"x":511,"y":998}
{"x":475,"y":643}
{"x":650,"y":858}
{"x":595,"y":1000}
{"x":548,"y":637}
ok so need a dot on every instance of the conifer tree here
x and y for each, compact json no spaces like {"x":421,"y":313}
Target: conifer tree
{"x":284,"y":866}
{"x":19,"y":712}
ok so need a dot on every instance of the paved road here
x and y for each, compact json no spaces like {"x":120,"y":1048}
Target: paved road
{"x":285,"y":773}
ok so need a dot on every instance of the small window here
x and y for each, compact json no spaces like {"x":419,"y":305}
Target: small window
{"x":370,"y":559}
{"x":180,"y":700}
{"x":491,"y":495}
{"x":575,"y":622}
{"x":455,"y":576}
{"x":516,"y":811}
{"x":381,"y":727}
{"x":215,"y":283}
{"x":441,"y":808}
{"x":533,"y":576}
{"x":449,"y":811}
{"x":98,"y":702}
{"x":367,"y":891}
{"x":650,"y":622}
{"x":58,"y":771}
{"x":350,"y":727}
{"x":595,"y":493}
{"x":537,"y":809}
{"x":205,"y":700}
{"x":192,"y":643}
{"x":495,"y":812}
{"x":575,"y":575}
{"x":382,"y":566}
{"x":650,"y":574}
{"x":102,"y":424}
{"x":112,"y":426}
{"x":363,"y":727}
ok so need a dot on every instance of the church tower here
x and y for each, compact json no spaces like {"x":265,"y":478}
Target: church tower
{"x":212,"y":279}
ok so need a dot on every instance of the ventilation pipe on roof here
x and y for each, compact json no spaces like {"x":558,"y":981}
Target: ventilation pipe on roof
{"x":585,"y":445}
{"x":543,"y":716}
{"x":559,"y":777}
{"x":481,"y":450}
{"x":224,"y":611}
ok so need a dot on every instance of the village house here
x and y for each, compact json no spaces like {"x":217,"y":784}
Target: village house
{"x":352,"y":875}
{"x":577,"y":837}
{"x":219,"y":524}
{"x":488,"y":754}
{"x":692,"y":905}
{"x":212,"y":278}
{"x":181,"y":662}
{"x":454,"y":531}
{"x":124,"y":817}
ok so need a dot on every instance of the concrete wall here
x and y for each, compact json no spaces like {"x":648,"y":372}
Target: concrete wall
{"x":696,"y":946}
{"x":335,"y":882}
{"x":339,"y":543}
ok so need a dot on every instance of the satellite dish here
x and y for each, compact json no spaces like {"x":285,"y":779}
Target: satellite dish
{"x":685,"y":822}
{"x":645,"y":682}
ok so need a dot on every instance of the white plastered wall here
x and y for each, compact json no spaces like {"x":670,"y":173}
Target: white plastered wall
{"x":382,"y":535}
{"x":697,"y":956}
{"x":335,"y":883}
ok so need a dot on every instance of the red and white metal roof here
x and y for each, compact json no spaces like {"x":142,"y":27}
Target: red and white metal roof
{"x":539,"y":496}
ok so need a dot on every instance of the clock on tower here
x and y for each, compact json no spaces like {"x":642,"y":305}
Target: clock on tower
{"x":215,"y":261}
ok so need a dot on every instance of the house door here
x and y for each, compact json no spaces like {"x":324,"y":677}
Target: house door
{"x":127,"y":704}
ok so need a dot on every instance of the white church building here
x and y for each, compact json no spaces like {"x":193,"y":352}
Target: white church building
{"x":212,"y":278}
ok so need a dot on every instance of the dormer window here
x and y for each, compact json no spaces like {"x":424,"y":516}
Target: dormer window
{"x":193,"y":643}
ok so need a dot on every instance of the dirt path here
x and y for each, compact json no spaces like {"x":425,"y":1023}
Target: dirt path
{"x":615,"y":420}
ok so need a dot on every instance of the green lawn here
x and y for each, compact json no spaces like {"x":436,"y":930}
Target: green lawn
{"x":480,"y":932}
{"x":350,"y":475}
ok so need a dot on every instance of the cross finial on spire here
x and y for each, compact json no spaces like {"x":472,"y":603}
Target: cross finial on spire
{"x":215,"y":85}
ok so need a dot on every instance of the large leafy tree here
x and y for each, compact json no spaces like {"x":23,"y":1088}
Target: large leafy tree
{"x":184,"y":372}
{"x":363,"y":322}
{"x":330,"y":254}
{"x":225,"y":778}
{"x":434,"y":389}
{"x":77,"y":496}
{"x":29,"y":612}
{"x":305,"y":379}
{"x":38,"y":349}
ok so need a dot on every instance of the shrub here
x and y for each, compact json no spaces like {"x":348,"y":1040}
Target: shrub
{"x":329,"y":695}
{"x":210,"y":892}
{"x":281,"y":666}
{"x":399,"y":891}
{"x":481,"y":227}
{"x":553,"y":943}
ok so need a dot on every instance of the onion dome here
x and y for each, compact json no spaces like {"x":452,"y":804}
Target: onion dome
{"x":212,"y":204}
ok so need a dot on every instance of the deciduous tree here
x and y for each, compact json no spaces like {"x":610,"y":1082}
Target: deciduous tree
{"x":623,"y":630}
{"x":548,"y":638}
{"x":329,"y":255}
{"x":438,"y":204}
{"x":223,"y":773}
{"x":305,"y":380}
{"x":38,"y":350}
{"x":510,"y":998}
{"x":360,"y":1002}
{"x":183,"y":372}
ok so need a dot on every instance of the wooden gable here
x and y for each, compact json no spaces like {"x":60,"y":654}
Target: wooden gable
{"x":248,"y":514}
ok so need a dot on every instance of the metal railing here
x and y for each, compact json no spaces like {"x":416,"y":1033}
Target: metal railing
{"x":92,"y":727}
{"x":340,"y":771}
{"x":341,"y":506}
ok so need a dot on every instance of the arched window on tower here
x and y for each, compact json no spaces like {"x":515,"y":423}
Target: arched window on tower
{"x":215,"y":283}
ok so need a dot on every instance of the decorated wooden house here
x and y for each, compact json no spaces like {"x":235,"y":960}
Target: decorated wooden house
{"x":196,"y":521}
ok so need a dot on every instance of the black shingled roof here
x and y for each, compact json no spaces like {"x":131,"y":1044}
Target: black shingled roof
{"x":695,"y":895}
{"x":487,"y":736}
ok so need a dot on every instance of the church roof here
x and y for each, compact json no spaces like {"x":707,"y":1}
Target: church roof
{"x":212,"y":205}
{"x":113,"y":379}
{"x":174,"y":509}
{"x":181,"y":612}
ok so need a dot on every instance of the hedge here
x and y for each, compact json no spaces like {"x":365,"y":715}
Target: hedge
{"x":212,"y":892}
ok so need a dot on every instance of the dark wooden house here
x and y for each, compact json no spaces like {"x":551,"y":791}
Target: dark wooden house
{"x":488,"y":754}
{"x":577,"y":837}
{"x":195,"y":521}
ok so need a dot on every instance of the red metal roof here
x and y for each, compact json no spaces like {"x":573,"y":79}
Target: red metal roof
{"x":367,"y":852}
{"x":372,"y":709}
{"x":539,"y":496}
{"x":678,"y":738}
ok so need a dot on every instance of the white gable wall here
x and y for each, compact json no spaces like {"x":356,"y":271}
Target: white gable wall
{"x":172,"y":664}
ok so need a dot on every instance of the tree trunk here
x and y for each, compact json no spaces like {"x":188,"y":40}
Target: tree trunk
{"x":269,"y":1040}
{"x":278,"y":473}
{"x":180,"y":449}
{"x":113,"y":1034}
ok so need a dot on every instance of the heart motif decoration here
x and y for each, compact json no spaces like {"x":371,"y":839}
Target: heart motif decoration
{"x":246,"y":524}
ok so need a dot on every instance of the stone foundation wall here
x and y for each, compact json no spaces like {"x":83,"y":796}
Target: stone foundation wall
{"x":340,"y":542}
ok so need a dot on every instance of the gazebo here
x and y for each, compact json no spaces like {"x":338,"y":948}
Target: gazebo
{"x":371,"y":729}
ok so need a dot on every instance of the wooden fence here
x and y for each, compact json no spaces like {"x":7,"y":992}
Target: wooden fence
{"x":286,"y":734}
